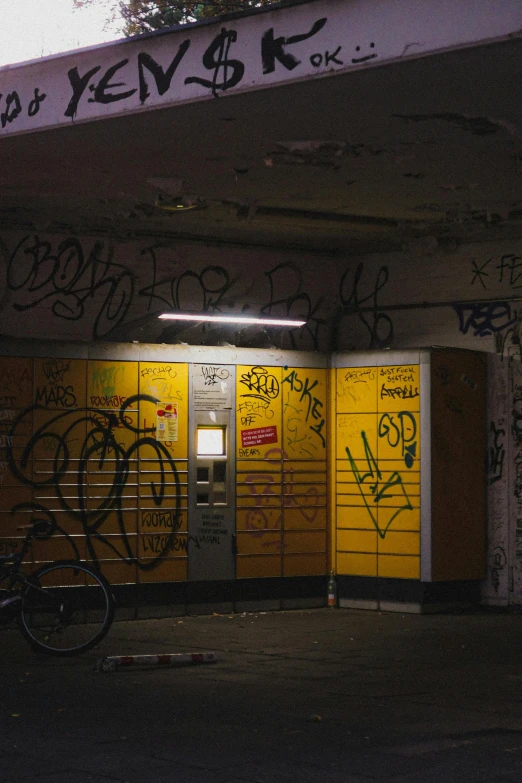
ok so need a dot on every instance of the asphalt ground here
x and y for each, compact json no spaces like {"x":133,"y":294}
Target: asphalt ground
{"x":308,"y":696}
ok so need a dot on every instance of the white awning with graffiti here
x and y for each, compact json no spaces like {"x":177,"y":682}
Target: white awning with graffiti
{"x":231,"y":55}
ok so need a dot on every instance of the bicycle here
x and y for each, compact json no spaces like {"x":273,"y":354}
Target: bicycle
{"x":64,"y":608}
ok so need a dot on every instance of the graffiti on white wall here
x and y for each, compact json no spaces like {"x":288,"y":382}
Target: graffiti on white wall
{"x":244,"y":53}
{"x":496,"y":585}
{"x":515,"y":516}
{"x":90,"y":289}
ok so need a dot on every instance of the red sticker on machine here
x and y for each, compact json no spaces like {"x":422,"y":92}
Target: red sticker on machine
{"x":258,"y":436}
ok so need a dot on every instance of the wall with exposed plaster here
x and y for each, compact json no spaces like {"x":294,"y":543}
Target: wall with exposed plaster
{"x":91,"y":288}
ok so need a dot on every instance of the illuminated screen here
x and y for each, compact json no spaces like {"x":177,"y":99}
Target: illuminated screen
{"x":211,"y":440}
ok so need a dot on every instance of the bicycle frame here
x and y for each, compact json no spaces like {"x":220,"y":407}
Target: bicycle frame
{"x":11,"y":566}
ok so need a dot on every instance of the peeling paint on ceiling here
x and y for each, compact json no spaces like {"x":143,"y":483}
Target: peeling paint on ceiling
{"x":350,"y":163}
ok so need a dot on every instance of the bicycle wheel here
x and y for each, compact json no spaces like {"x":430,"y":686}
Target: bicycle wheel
{"x":67,"y":608}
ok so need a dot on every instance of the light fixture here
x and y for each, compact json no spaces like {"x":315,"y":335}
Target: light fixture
{"x":231,"y":319}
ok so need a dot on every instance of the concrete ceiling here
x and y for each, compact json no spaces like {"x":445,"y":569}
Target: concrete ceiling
{"x":411,"y":154}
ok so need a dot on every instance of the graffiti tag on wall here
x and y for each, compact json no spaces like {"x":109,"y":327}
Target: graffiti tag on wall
{"x":86,"y":442}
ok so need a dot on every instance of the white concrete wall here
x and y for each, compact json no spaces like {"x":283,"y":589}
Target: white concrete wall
{"x":89,"y":288}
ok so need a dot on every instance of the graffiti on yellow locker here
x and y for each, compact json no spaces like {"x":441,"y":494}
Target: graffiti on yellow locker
{"x":104,"y":383}
{"x":400,"y":430}
{"x":251,"y":410}
{"x":384,"y":493}
{"x":267,"y":514}
{"x":375,"y":491}
{"x":264,"y":516}
{"x":158,"y":544}
{"x":304,"y":412}
{"x":14,"y":381}
{"x":56,"y":391}
{"x":402,"y":383}
{"x":354,"y":383}
{"x":84,"y":442}
{"x":261,"y":389}
{"x":160,"y":381}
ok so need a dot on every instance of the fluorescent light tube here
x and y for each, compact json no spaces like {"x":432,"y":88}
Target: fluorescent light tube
{"x":231,"y":319}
